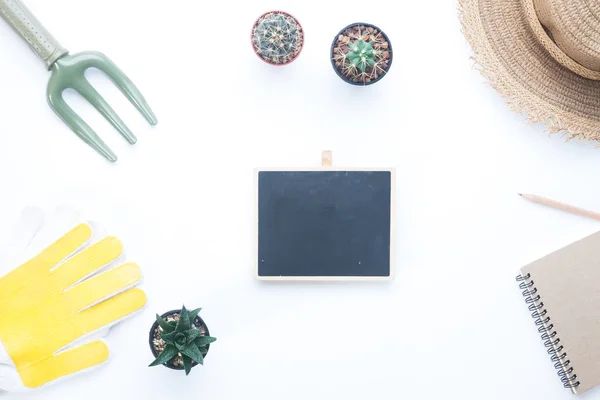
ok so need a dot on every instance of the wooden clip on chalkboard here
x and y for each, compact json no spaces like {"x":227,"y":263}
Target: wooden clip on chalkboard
{"x":325,"y":223}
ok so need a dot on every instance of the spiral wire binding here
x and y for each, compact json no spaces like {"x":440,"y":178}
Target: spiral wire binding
{"x":549,"y":336}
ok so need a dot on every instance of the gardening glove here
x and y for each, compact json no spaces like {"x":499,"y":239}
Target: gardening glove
{"x":54,"y":306}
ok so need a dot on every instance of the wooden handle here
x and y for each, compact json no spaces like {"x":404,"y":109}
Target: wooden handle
{"x":327,"y":158}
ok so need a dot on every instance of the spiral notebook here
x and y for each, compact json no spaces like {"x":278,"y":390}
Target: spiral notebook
{"x":562,"y":291}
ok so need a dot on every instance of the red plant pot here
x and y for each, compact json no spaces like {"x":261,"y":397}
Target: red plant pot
{"x":252,"y":33}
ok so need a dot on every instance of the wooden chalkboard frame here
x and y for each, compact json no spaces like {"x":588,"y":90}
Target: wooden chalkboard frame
{"x":392,"y":172}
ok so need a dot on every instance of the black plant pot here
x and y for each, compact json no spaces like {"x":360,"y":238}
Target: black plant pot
{"x":345,"y":79}
{"x":197,"y":321}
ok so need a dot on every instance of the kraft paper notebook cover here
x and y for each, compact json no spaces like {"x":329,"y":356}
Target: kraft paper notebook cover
{"x":562,"y":291}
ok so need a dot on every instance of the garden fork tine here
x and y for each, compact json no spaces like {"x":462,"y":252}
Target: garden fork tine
{"x":125,"y":85}
{"x":88,"y":92}
{"x":80,"y":127}
{"x":68,"y":72}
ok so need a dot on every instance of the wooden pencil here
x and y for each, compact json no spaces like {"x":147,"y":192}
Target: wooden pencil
{"x":561,"y":206}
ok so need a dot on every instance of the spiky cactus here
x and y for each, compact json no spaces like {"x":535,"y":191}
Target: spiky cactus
{"x":182,"y":340}
{"x":361,"y":54}
{"x":277,"y":38}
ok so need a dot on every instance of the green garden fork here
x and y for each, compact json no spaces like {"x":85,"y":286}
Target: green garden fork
{"x":68,"y":72}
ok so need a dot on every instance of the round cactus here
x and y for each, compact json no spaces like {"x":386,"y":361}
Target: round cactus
{"x":277,"y":38}
{"x":361,"y":54}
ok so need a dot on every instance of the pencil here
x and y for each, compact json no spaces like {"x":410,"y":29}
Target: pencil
{"x":561,"y":206}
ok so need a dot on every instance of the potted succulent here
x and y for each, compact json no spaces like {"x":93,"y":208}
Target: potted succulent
{"x":179,"y":339}
{"x":277,"y":38}
{"x":361,"y":54}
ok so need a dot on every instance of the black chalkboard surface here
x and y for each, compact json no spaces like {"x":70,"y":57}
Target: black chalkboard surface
{"x":324,"y":224}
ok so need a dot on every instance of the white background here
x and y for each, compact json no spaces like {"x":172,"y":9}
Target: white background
{"x":451,"y":325}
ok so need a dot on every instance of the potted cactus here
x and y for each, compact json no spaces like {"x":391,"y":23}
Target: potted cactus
{"x":179,"y":339}
{"x":277,"y":38}
{"x":361,"y":54}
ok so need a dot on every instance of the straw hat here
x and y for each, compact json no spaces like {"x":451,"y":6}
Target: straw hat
{"x":543,"y":56}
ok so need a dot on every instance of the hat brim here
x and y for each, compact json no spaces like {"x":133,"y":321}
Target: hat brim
{"x":521,"y":69}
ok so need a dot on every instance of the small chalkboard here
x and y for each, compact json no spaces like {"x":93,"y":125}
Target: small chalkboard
{"x":325,"y":224}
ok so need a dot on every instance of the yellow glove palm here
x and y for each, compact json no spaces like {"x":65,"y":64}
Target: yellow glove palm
{"x":47,"y":304}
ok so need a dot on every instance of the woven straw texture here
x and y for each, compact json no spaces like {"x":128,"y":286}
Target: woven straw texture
{"x":575,"y":27}
{"x":569,"y":32}
{"x":526,"y":71}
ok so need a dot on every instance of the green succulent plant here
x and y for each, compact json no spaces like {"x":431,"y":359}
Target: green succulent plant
{"x":362,"y":54}
{"x":277,"y":37}
{"x":183,"y":339}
